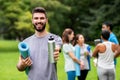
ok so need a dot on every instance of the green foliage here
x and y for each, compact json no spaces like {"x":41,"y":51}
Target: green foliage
{"x":86,"y":16}
{"x":83,"y":16}
{"x":24,"y":25}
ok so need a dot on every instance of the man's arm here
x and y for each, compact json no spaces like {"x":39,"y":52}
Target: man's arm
{"x":117,"y":51}
{"x":95,"y":52}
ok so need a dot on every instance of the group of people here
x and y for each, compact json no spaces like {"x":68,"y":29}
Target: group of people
{"x":42,"y":69}
{"x":106,"y":53}
{"x":69,"y":41}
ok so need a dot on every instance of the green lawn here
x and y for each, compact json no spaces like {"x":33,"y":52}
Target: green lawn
{"x":9,"y":57}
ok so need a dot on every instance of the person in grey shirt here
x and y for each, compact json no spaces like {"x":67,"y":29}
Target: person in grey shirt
{"x":40,"y":66}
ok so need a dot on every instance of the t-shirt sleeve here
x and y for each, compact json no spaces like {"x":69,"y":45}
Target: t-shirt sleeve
{"x":66,"y":48}
{"x":58,"y":41}
{"x":114,"y":40}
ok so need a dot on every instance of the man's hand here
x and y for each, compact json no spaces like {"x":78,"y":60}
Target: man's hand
{"x":23,"y":63}
{"x":56,"y":53}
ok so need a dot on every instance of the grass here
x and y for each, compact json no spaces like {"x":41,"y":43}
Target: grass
{"x":8,"y":46}
{"x":9,"y":57}
{"x":8,"y":69}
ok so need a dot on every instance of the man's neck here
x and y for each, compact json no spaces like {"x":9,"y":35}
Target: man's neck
{"x":41,"y":34}
{"x":110,"y":31}
{"x":105,"y":40}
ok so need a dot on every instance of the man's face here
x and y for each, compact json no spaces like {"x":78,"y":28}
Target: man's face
{"x":39,"y":21}
{"x":104,"y":27}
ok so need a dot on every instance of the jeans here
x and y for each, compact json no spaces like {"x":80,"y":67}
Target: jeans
{"x":71,"y":75}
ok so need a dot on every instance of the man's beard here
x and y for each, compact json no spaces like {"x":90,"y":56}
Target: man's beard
{"x":39,"y":30}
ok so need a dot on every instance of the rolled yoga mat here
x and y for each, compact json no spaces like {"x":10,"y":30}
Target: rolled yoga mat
{"x":77,"y":54}
{"x":24,"y":51}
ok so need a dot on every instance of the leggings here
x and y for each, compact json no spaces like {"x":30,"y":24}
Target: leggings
{"x":106,"y":74}
{"x":83,"y":75}
{"x":71,"y":75}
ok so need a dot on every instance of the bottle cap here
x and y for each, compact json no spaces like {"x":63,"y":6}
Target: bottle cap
{"x":51,"y":38}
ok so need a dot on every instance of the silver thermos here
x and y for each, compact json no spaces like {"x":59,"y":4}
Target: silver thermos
{"x":97,"y":41}
{"x":51,"y":48}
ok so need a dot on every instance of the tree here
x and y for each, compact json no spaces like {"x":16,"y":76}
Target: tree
{"x":83,"y":16}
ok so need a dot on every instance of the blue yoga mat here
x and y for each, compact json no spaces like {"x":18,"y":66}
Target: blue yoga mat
{"x":24,"y":51}
{"x":77,"y":54}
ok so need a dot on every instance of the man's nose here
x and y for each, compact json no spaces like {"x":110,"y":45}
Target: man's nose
{"x":39,"y":20}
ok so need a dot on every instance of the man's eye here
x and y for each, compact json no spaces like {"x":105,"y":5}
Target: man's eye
{"x":35,"y":18}
{"x":42,"y":18}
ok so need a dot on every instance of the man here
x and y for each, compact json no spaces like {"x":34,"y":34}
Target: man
{"x":105,"y":52}
{"x":108,"y":26}
{"x":40,"y":66}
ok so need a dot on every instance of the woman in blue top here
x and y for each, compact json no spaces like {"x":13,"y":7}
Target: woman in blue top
{"x":68,"y":51}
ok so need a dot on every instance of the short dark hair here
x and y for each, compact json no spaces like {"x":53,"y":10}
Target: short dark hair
{"x":105,"y":34}
{"x":108,"y":24}
{"x":65,"y":34}
{"x":39,"y":10}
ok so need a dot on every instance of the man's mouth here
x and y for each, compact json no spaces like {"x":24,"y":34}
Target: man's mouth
{"x":39,"y":23}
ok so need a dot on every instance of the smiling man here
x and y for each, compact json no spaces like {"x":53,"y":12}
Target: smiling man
{"x":40,"y":66}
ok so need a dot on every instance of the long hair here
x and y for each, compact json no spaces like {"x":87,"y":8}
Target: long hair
{"x":75,"y":39}
{"x":65,"y":35}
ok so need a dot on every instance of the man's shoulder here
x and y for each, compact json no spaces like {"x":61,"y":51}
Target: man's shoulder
{"x":54,"y":35}
{"x":112,"y":35}
{"x":28,"y":38}
{"x":57,"y":38}
{"x":113,"y":38}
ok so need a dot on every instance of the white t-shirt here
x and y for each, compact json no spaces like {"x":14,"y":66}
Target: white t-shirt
{"x":69,"y":63}
{"x":83,"y":56}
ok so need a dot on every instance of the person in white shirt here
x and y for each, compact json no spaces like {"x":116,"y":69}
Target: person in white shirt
{"x":85,"y":54}
{"x":105,"y":52}
{"x":68,"y":51}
